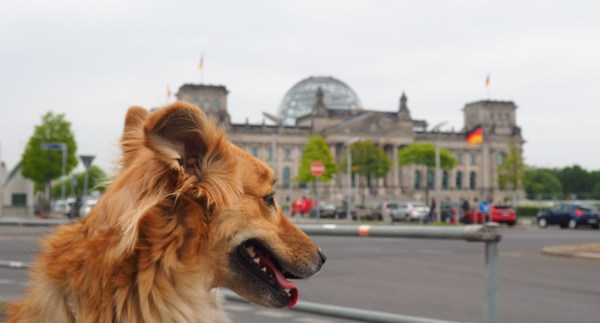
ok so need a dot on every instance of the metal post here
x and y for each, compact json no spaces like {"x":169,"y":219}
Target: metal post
{"x":85,"y":181}
{"x":349,"y":178}
{"x":318,"y":202}
{"x":436,"y":182}
{"x":63,"y":147}
{"x":491,"y":266}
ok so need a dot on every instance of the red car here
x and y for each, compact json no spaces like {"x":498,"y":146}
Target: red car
{"x":302,"y":206}
{"x":498,"y":214}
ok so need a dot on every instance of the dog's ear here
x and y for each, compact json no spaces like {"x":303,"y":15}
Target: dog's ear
{"x":178,"y":133}
{"x":181,"y":136}
{"x":133,"y":135}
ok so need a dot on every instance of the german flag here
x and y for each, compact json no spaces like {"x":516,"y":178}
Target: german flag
{"x":474,"y":136}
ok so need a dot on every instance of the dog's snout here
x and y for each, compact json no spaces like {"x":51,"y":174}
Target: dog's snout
{"x":322,"y":255}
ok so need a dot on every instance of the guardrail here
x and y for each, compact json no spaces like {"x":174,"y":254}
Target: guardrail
{"x":472,"y":233}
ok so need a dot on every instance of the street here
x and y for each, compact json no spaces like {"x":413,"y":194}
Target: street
{"x":430,"y":278}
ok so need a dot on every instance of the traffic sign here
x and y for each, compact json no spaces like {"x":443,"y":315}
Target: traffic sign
{"x":87,"y":160}
{"x":52,"y":146}
{"x":317,"y":168}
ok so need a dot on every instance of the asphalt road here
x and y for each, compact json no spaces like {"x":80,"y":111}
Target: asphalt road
{"x":429,"y":278}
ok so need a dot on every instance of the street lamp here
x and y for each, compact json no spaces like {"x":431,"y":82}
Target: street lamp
{"x":349,"y":173}
{"x":59,"y":146}
{"x":436,"y":177}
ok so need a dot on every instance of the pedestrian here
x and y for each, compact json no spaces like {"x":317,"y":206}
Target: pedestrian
{"x":465,"y":210}
{"x":432,"y":207}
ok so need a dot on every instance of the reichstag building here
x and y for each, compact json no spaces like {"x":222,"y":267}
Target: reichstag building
{"x":329,"y":107}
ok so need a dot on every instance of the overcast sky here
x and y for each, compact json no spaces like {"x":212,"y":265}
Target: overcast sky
{"x":92,"y":59}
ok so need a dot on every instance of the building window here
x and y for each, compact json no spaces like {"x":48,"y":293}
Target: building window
{"x":19,"y":199}
{"x":473,"y":180}
{"x":501,"y":157}
{"x":459,"y":180}
{"x":430,"y":179}
{"x":271,"y":153}
{"x":473,"y":159}
{"x":287,"y":153}
{"x":215,"y":104}
{"x":254,"y":152}
{"x":417,"y":179}
{"x":287,"y":177}
{"x":445,"y":180}
{"x":458,"y":158}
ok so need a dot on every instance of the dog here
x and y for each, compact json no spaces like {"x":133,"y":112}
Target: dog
{"x":189,"y":212}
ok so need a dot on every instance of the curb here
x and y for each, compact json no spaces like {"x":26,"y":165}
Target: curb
{"x":581,"y":251}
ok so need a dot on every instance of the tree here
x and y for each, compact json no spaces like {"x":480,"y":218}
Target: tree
{"x":511,"y":172}
{"x":96,"y":182}
{"x":540,"y":183}
{"x":424,"y":155}
{"x":316,"y":150}
{"x":368,"y":161}
{"x":42,"y":166}
{"x":576,"y":180}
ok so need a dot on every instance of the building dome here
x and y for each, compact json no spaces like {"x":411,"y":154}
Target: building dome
{"x":301,"y":98}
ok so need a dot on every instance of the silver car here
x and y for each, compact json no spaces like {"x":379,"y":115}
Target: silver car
{"x":411,"y":211}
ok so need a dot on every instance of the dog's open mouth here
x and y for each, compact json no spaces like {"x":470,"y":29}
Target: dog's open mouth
{"x":264,"y":265}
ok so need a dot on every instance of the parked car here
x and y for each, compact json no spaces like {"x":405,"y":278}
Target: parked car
{"x":386,"y":211}
{"x":410,"y":211}
{"x":302,"y":206}
{"x":570,"y":215}
{"x":498,"y":213}
{"x":326,"y":210}
{"x":86,"y":205}
{"x":450,"y":210}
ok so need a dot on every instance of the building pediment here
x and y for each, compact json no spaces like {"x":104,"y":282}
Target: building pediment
{"x":372,"y":123}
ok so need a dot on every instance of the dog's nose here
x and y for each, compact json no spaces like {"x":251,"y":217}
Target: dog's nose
{"x":322,"y":255}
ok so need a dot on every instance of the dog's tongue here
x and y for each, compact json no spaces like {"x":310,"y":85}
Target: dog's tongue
{"x":282,"y":281}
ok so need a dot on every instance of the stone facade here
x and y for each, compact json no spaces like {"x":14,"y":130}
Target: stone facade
{"x":475,"y":175}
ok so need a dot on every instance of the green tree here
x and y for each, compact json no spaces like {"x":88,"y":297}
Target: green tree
{"x":96,"y":182}
{"x":576,"y":180}
{"x":424,"y":155}
{"x":368,"y":161}
{"x":42,"y":166}
{"x":511,"y":172}
{"x":316,"y":150}
{"x":542,"y":183}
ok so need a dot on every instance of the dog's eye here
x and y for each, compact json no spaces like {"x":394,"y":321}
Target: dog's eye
{"x":270,"y":200}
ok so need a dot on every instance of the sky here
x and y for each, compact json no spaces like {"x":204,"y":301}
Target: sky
{"x":91,"y":60}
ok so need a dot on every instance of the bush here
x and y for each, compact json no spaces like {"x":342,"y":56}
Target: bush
{"x":528,"y":210}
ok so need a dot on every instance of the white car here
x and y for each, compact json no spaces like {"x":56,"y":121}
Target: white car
{"x":412,"y":211}
{"x":87,"y":206}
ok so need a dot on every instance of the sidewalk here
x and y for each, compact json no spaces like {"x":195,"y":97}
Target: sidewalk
{"x":585,"y":251}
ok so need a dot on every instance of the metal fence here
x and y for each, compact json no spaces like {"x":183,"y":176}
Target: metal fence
{"x":472,"y":233}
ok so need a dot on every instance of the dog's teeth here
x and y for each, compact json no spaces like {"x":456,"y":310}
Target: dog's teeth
{"x":256,"y":260}
{"x":287,"y":290}
{"x":250,"y":251}
{"x":264,"y":269}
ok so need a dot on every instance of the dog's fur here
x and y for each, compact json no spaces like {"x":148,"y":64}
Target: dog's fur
{"x":168,"y":231}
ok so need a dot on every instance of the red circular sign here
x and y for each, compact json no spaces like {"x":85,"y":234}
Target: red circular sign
{"x":317,"y":168}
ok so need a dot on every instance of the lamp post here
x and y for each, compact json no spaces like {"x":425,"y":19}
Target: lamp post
{"x":349,"y":175}
{"x":59,"y":146}
{"x":436,"y":177}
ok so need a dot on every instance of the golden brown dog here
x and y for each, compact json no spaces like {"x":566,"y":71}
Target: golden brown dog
{"x":188,"y":213}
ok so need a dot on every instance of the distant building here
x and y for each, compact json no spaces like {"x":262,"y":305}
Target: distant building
{"x":16,"y":192}
{"x":329,"y":107}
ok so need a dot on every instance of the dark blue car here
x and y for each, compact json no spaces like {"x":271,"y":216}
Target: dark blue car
{"x":570,"y":215}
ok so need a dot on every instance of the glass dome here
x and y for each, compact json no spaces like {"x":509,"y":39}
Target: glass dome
{"x":301,"y":98}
